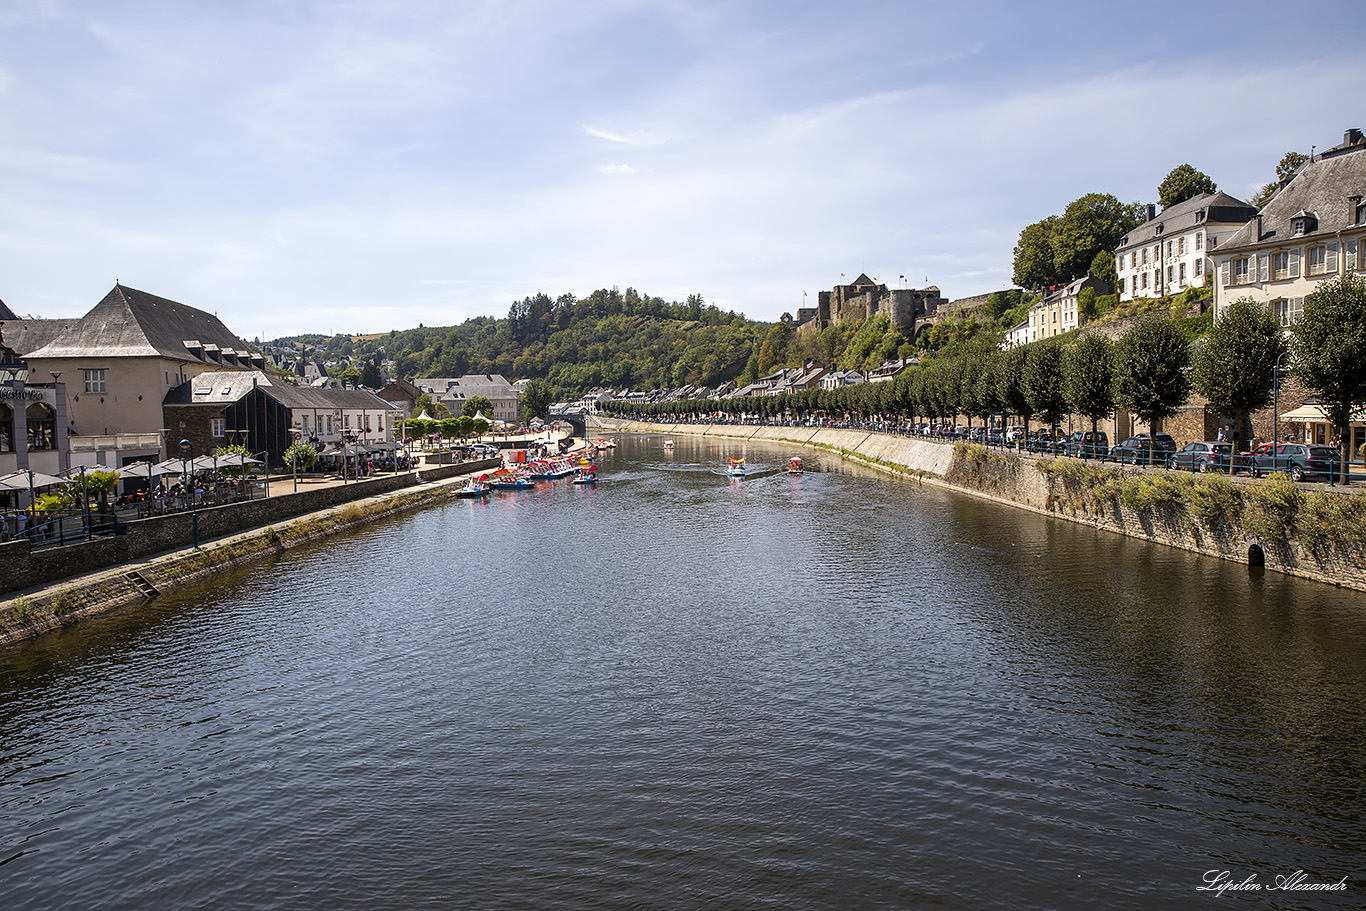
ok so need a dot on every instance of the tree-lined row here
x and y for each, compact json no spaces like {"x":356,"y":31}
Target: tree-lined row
{"x":1151,"y":371}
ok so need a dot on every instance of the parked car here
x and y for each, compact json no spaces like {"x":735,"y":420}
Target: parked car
{"x":1133,"y":451}
{"x":1087,"y":444}
{"x":996,"y":437}
{"x":1302,"y":461}
{"x":1208,"y":456}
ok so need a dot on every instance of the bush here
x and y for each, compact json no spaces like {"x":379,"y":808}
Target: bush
{"x":1156,"y":490}
{"x":1269,"y":509}
{"x":1215,"y":500}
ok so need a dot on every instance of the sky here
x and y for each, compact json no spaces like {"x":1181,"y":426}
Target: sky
{"x":305,"y":166}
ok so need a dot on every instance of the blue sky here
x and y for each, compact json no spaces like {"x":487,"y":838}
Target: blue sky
{"x":301,"y":166}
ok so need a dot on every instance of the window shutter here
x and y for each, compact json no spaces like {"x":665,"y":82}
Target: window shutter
{"x":1295,"y":263}
{"x":1351,"y":254}
{"x":1262,"y":273}
{"x":1330,"y":264}
{"x":1223,"y":273}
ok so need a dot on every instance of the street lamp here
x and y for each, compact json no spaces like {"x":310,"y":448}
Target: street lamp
{"x":187,"y":447}
{"x":1276,"y":408}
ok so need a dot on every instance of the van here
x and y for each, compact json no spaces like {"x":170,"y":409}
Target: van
{"x":1087,"y":444}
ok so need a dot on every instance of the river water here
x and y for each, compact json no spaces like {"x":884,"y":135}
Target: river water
{"x":680,"y":690}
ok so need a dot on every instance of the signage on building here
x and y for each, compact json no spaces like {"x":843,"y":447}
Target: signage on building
{"x":33,"y":395}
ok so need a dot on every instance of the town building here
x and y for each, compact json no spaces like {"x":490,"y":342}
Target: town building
{"x":453,"y":393}
{"x":118,"y":361}
{"x":1170,"y":251}
{"x":1058,"y":311}
{"x":32,"y":419}
{"x":250,"y":408}
{"x":1312,"y":231}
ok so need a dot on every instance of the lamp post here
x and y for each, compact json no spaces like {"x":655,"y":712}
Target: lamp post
{"x":1276,"y":409}
{"x":187,"y":447}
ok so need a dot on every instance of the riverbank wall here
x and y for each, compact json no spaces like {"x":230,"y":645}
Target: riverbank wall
{"x":157,"y":556}
{"x":1317,"y":534}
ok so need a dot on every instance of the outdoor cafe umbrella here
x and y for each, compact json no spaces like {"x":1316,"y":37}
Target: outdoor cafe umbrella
{"x":145,"y":470}
{"x":28,"y":478}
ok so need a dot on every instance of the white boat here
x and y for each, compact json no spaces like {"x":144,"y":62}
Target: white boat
{"x":736,"y":467}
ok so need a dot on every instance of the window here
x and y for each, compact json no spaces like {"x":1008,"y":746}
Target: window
{"x":1316,"y":260}
{"x":1169,"y":249}
{"x":218,"y":425}
{"x":1213,"y":241}
{"x":1198,"y":267}
{"x":1280,"y":266}
{"x":1287,"y":310}
{"x":1240,"y":271}
{"x":1181,"y":245}
{"x":1199,"y":240}
{"x":94,"y":382}
{"x":1183,"y":273}
{"x":1145,"y":281}
{"x":1171,"y":274}
{"x":1145,"y":256}
{"x":1133,"y":260}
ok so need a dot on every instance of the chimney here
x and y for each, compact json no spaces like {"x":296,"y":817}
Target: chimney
{"x":1259,"y":228}
{"x":1152,"y":212}
{"x":1351,"y":137}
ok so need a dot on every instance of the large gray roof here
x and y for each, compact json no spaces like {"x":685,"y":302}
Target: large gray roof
{"x":132,"y":323}
{"x":1218,"y":208}
{"x":1321,"y":188}
{"x":227,"y":386}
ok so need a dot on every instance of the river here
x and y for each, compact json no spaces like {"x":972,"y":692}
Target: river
{"x":680,"y":690}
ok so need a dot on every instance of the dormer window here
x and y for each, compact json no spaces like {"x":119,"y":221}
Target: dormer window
{"x":1361,"y":213}
{"x":1302,"y":223}
{"x":1199,"y":216}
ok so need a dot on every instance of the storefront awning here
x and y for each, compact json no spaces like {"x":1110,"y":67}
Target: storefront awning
{"x":1314,"y":414}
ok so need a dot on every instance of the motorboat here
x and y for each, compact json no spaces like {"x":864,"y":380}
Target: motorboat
{"x":587,"y":475}
{"x":736,"y":467}
{"x":794,"y":465}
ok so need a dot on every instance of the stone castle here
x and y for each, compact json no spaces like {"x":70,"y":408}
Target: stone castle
{"x":862,"y":298}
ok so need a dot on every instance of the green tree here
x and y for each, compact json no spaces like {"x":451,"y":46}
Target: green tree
{"x":300,"y":456}
{"x":1234,"y":367}
{"x":1043,"y":380}
{"x":1150,"y":369}
{"x":1289,"y":164}
{"x":1103,"y":268}
{"x":1034,"y":266}
{"x":536,"y":399}
{"x":477,"y":404}
{"x":1329,"y":348}
{"x":1091,"y":224}
{"x":370,"y":376}
{"x":1088,"y":377}
{"x":1183,"y":183}
{"x":1010,"y":383}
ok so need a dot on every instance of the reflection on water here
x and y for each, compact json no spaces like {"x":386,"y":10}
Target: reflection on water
{"x":683,"y":690}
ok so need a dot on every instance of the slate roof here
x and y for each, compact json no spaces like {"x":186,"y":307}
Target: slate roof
{"x":1322,"y":187}
{"x":133,"y":323}
{"x":228,"y":386}
{"x":1219,"y":208}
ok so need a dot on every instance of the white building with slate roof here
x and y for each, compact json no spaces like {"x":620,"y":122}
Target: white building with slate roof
{"x":1170,"y":251}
